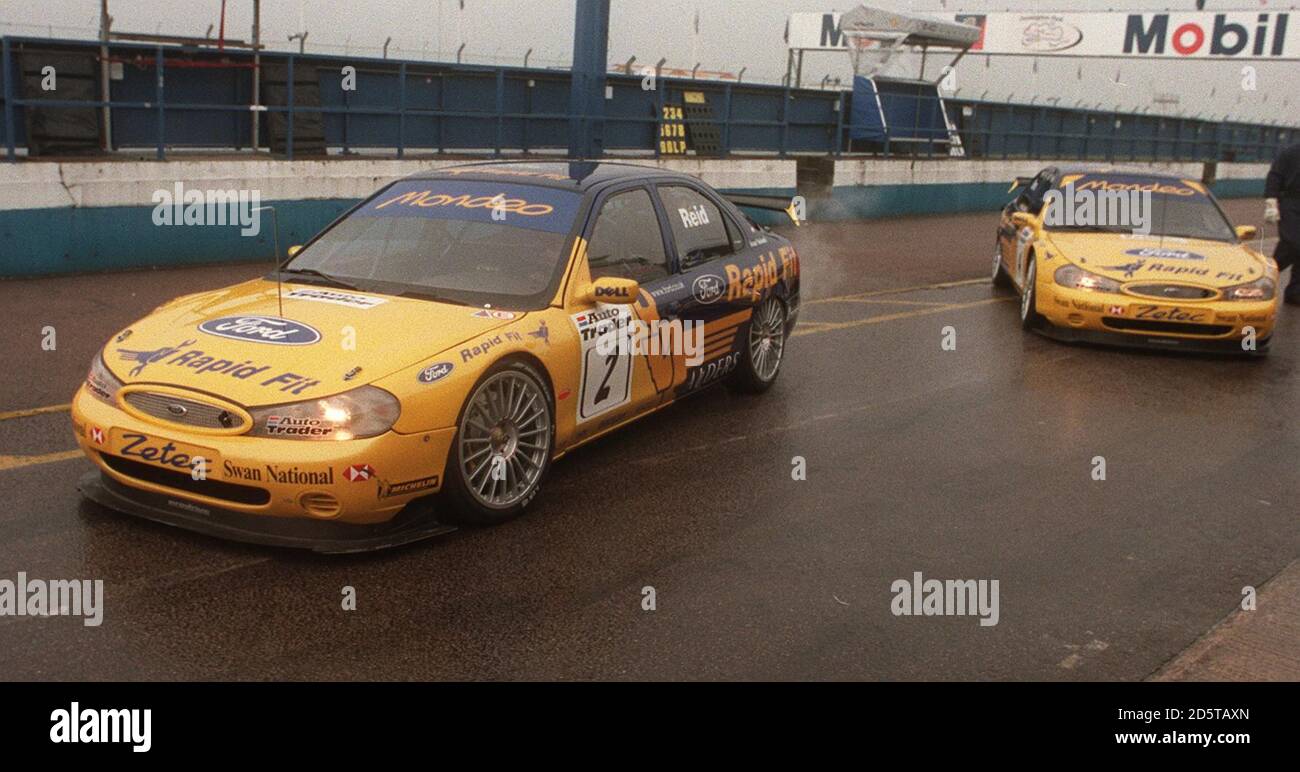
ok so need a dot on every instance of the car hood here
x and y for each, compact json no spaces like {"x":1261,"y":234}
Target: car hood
{"x":236,"y":343}
{"x":1125,"y":257}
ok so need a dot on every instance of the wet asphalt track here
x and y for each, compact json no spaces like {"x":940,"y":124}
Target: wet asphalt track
{"x":966,"y":464}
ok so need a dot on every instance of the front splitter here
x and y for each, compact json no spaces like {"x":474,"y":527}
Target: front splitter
{"x":1229,"y":347}
{"x":414,"y":523}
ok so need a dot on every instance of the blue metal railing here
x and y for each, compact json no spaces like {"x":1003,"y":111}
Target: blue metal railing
{"x":183,"y":97}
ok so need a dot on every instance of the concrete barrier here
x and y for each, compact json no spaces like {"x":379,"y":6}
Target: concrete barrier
{"x":86,"y":216}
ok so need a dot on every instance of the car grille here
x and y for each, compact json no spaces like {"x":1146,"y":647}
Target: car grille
{"x":1180,"y":328}
{"x":215,"y":489}
{"x":186,"y":412}
{"x":1171,"y":291}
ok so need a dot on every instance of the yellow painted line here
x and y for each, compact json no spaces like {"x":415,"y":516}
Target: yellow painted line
{"x":897,"y":291}
{"x":831,"y":326}
{"x":18,"y":462}
{"x":894,"y":302}
{"x":31,"y":411}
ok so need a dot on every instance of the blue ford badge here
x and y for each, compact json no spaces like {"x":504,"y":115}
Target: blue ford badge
{"x":262,"y":329}
{"x":435,"y":372}
{"x":708,"y":288}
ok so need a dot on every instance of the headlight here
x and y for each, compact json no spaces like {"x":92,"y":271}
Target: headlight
{"x":1260,"y":289}
{"x":101,"y":383}
{"x":1076,"y":278}
{"x":363,"y":412}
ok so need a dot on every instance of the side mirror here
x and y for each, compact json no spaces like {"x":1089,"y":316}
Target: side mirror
{"x":1024,"y":220}
{"x":1246,"y":232}
{"x":608,"y":289}
{"x":295,"y":249}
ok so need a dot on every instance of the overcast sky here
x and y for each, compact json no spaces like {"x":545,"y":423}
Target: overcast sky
{"x":732,"y":34}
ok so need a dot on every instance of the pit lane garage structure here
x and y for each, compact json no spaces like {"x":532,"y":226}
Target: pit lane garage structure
{"x":906,"y":112}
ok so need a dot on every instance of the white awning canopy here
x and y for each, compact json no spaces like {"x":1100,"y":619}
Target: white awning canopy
{"x":875,"y":36}
{"x":908,"y":29}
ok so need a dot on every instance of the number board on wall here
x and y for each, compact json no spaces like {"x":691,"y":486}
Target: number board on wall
{"x":701,"y":127}
{"x":672,"y":131}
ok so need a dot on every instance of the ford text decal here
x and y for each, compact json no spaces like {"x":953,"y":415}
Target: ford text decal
{"x":262,"y":329}
{"x":1165,"y":254}
{"x":520,"y":206}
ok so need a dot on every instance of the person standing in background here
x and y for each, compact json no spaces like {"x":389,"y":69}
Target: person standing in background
{"x":1282,"y":207}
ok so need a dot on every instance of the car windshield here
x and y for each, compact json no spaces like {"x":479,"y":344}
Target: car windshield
{"x":457,"y":241}
{"x":1154,"y":206}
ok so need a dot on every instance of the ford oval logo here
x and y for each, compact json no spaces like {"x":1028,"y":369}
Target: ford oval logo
{"x":262,"y":329}
{"x":707,"y":288}
{"x":436,"y":372}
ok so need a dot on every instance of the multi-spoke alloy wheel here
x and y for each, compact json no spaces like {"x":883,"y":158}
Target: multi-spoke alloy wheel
{"x":767,"y":339}
{"x":1029,"y":316}
{"x":762,"y":357}
{"x":503,"y":444}
{"x":1000,"y":278}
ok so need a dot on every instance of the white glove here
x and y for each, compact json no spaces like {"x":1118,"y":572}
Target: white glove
{"x":1271,"y":214}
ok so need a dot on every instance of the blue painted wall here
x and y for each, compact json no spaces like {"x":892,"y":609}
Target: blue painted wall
{"x":876,"y":201}
{"x":35,"y":242}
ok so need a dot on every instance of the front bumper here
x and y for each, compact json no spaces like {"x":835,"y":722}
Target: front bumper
{"x":346,"y":483}
{"x":415,"y":522}
{"x":1126,"y":320}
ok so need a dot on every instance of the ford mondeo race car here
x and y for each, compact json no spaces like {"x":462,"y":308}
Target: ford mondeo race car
{"x":1135,"y":259}
{"x":454,"y":334}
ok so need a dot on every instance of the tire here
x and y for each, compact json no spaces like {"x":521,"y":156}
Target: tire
{"x":1000,"y":278}
{"x":764,"y":350}
{"x":509,"y":415}
{"x":1029,"y":316}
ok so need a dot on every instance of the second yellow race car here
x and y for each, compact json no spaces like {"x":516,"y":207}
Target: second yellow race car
{"x":453,"y":334}
{"x":1174,"y":273}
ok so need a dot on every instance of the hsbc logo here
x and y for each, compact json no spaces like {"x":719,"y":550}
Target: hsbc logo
{"x":1158,"y":34}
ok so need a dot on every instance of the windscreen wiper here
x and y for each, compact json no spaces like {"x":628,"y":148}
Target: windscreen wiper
{"x":319,"y":275}
{"x":433,"y":297}
{"x":1092,"y":228}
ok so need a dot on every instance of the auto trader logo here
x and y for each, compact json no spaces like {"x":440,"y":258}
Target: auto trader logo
{"x":262,"y":329}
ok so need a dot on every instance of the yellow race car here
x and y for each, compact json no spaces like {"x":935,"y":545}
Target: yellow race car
{"x":1134,"y":259}
{"x":454,"y":334}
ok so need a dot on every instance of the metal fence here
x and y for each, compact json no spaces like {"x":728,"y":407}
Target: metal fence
{"x":180,"y":98}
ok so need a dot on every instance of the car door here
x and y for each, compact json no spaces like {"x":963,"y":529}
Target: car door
{"x":1013,"y":243}
{"x":625,"y":239}
{"x":721,"y":271}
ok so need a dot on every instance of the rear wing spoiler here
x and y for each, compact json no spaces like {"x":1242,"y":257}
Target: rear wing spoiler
{"x":767,"y":204}
{"x":1019,"y":182}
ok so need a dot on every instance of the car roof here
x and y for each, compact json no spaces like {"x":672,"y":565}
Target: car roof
{"x":1118,"y":171}
{"x":579,"y":176}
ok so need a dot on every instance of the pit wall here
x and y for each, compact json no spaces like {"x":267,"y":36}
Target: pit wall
{"x":875,"y":188}
{"x":86,"y":216}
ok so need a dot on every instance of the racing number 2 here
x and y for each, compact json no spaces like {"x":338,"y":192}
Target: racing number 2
{"x":602,"y":393}
{"x":606,"y":375}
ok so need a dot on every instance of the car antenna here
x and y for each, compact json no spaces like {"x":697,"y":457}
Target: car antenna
{"x":275,"y":230}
